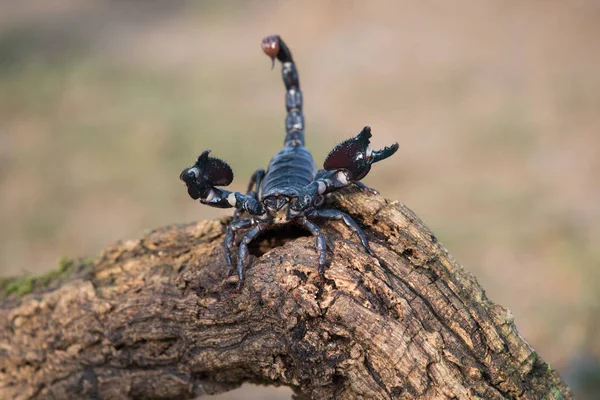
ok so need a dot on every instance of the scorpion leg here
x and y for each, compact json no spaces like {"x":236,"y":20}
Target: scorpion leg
{"x":243,"y":252}
{"x":321,"y":244}
{"x":253,"y":187}
{"x":339,"y":215}
{"x":229,"y":236}
{"x":256,"y":180}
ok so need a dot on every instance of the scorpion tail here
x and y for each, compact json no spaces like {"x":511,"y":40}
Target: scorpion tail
{"x":274,"y":47}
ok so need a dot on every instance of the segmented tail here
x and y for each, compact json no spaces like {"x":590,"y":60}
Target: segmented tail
{"x":274,"y":47}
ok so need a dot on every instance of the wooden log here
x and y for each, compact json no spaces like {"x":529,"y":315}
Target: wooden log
{"x":157,"y":318}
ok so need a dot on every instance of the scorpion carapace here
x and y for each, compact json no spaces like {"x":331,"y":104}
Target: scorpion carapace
{"x":292,"y":189}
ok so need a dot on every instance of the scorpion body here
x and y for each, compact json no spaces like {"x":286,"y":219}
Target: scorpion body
{"x":293,"y":167}
{"x":292,"y":189}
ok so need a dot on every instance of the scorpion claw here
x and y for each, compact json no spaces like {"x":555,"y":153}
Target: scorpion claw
{"x":206,"y":173}
{"x":215,"y":171}
{"x":379,"y":155}
{"x":355,"y":156}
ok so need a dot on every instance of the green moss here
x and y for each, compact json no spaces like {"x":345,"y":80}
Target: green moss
{"x":65,"y":265}
{"x":556,"y":394}
{"x":21,"y":286}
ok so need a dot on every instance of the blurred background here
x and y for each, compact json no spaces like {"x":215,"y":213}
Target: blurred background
{"x":496,"y":106}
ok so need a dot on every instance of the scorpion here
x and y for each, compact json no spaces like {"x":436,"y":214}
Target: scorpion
{"x":292,"y":189}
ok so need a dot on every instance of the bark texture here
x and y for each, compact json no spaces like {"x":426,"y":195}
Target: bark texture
{"x":157,"y":318}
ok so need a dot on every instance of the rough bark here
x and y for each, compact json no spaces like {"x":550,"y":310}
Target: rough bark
{"x":157,"y":318}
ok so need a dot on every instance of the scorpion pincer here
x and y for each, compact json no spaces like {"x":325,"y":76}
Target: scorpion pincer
{"x":292,"y":189}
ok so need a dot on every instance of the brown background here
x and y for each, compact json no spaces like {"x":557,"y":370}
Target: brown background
{"x":495,"y":105}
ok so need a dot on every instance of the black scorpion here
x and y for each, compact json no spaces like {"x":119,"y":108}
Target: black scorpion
{"x":291,"y":190}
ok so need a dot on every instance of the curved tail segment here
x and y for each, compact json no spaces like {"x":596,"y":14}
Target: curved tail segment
{"x":274,"y":47}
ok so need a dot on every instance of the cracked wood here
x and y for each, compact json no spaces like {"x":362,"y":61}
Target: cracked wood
{"x":157,"y":318}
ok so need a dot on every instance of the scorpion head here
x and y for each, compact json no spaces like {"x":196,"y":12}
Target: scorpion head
{"x":355,"y":157}
{"x":277,"y":206}
{"x":206,"y":173}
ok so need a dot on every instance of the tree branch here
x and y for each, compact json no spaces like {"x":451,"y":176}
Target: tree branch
{"x":156,"y":318}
